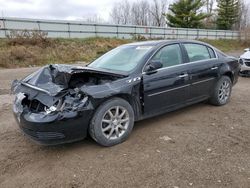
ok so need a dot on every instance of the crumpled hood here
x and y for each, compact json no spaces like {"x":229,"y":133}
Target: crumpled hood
{"x":52,"y":79}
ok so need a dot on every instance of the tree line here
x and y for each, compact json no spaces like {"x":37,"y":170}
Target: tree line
{"x":208,"y":14}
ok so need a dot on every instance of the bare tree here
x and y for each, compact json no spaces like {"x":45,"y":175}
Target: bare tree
{"x":120,"y":13}
{"x":157,"y":10}
{"x":209,"y":5}
{"x":141,"y":12}
{"x":210,"y":20}
{"x":93,"y":18}
{"x":244,"y":15}
{"x":115,"y":15}
{"x":126,"y":12}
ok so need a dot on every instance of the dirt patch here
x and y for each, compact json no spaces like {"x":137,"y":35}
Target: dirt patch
{"x":198,"y":146}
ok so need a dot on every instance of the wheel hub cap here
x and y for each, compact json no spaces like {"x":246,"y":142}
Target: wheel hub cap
{"x":115,"y":122}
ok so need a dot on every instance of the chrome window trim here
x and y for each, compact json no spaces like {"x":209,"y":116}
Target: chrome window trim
{"x":183,"y":64}
{"x":212,"y":50}
{"x":216,"y":57}
{"x":207,"y":45}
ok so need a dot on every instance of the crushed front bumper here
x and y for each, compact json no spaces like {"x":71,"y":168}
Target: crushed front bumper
{"x":51,"y":131}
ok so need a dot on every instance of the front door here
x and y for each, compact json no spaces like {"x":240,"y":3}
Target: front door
{"x":169,"y":85}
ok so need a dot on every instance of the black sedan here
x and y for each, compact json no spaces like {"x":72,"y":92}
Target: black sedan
{"x":62,"y":103}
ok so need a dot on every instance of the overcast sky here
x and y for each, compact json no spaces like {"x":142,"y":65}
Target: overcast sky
{"x":57,"y":9}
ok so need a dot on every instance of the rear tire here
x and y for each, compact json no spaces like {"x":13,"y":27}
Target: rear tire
{"x":222,"y":92}
{"x":112,"y":122}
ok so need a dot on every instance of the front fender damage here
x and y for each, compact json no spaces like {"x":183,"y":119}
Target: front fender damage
{"x":130,"y":91}
{"x":37,"y":107}
{"x":57,"y":92}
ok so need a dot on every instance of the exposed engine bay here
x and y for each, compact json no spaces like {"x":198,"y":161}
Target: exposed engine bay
{"x":58,"y":88}
{"x":77,"y":80}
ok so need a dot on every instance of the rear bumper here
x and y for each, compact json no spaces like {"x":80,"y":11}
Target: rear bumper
{"x":47,"y":131}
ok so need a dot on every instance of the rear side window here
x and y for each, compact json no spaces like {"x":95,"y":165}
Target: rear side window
{"x":211,"y":52}
{"x":197,"y":52}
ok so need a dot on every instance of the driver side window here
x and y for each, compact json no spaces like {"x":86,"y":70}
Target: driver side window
{"x":169,"y":55}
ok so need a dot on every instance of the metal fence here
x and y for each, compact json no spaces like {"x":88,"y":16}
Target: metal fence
{"x":78,"y":29}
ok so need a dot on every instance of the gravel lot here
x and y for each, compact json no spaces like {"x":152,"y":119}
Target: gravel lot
{"x":198,"y":146}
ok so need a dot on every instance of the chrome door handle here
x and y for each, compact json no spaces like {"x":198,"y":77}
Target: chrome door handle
{"x":214,"y":68}
{"x":183,"y":75}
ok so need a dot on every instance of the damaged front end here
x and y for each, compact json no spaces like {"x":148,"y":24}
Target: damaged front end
{"x":50,"y":105}
{"x":45,"y":108}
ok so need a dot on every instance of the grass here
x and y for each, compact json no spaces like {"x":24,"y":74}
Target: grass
{"x":54,"y":51}
{"x":23,"y":52}
{"x":227,"y":45}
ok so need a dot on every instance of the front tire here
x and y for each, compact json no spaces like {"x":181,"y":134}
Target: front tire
{"x":112,"y":122}
{"x":222,"y":91}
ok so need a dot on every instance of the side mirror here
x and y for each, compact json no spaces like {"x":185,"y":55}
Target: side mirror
{"x":153,"y":66}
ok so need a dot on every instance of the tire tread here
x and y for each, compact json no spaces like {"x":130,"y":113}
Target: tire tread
{"x":214,"y":98}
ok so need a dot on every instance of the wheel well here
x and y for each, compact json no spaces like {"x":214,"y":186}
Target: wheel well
{"x":230,"y":75}
{"x":133,"y":102}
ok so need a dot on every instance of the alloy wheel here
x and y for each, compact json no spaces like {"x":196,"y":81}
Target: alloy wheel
{"x":224,"y":91}
{"x":115,"y":122}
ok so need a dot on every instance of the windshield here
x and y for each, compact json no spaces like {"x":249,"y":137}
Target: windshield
{"x":124,"y":58}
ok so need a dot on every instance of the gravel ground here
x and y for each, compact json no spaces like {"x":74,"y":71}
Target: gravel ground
{"x":198,"y":146}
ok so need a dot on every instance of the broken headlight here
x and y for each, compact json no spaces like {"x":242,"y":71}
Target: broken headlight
{"x":73,"y":101}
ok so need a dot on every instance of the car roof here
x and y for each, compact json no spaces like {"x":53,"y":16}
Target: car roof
{"x":161,"y":42}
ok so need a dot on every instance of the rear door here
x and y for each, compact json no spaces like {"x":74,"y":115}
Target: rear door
{"x":168,"y":86}
{"x":203,"y":71}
